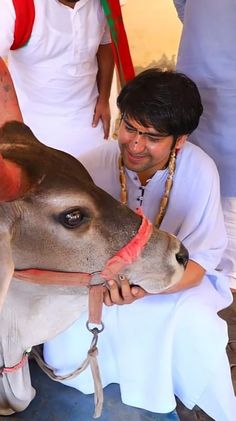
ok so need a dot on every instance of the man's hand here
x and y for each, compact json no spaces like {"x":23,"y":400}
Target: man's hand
{"x":102,"y":111}
{"x":104,"y":80}
{"x":125,"y":294}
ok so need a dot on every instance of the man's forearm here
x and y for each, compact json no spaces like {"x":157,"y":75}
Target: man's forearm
{"x":192,"y":277}
{"x":9,"y":106}
{"x":105,"y":71}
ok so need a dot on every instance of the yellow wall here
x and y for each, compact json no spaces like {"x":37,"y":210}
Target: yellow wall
{"x":153,"y":29}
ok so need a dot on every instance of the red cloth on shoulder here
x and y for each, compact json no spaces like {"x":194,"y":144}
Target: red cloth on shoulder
{"x":25,"y":15}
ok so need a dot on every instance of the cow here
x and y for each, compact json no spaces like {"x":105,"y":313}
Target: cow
{"x":56,"y":223}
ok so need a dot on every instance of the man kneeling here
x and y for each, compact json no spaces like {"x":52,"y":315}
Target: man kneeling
{"x":173,"y":343}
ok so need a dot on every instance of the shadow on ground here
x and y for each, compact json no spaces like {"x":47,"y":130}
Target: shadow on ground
{"x":229,"y":314}
{"x":56,"y":402}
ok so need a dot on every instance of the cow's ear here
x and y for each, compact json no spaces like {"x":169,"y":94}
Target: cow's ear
{"x":14,"y":181}
{"x":6,"y":266}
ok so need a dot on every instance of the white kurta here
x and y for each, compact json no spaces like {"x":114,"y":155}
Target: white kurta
{"x":55,"y":73}
{"x":207,"y":54}
{"x":163,"y":345}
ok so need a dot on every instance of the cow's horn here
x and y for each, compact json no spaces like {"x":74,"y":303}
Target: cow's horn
{"x":13,"y":180}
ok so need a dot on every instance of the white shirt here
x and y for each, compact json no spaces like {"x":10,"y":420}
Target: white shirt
{"x":55,"y":73}
{"x":154,"y":347}
{"x":194,"y":199}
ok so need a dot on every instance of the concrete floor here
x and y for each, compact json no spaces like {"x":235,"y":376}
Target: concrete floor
{"x":56,"y":402}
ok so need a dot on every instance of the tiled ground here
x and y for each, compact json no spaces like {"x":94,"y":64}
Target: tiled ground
{"x":55,"y":402}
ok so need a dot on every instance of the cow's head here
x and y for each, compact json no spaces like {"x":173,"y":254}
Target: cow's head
{"x":53,"y":217}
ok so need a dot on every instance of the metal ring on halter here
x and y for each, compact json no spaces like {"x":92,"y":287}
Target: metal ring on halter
{"x":92,"y":329}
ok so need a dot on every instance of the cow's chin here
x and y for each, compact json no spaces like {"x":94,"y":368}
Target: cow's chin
{"x":151,"y":284}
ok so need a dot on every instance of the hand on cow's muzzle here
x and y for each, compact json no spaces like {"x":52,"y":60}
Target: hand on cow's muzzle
{"x":122,"y":292}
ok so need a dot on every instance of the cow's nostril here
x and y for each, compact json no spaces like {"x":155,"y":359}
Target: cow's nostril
{"x":182,"y":256}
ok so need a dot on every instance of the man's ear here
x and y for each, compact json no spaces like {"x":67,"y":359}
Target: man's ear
{"x":181,"y":141}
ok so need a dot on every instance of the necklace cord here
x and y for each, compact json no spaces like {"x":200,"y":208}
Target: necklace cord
{"x":168,"y":186}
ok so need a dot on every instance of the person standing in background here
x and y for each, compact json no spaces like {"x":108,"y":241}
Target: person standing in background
{"x":207,"y":54}
{"x":63,"y":74}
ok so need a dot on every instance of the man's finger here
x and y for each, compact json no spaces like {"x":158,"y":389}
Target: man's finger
{"x":138,"y":292}
{"x":107,"y":298}
{"x":115,"y":292}
{"x":125,"y":289}
{"x":106,"y":127}
{"x":96,"y":117}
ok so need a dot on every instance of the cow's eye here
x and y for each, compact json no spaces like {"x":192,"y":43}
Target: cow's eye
{"x":71,"y":218}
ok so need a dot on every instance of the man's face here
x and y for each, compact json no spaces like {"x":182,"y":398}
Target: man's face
{"x":143,"y":149}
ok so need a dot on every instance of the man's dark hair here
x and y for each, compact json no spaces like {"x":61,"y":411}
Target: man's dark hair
{"x":166,"y":100}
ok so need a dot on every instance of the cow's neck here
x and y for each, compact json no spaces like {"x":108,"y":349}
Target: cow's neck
{"x":26,"y":315}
